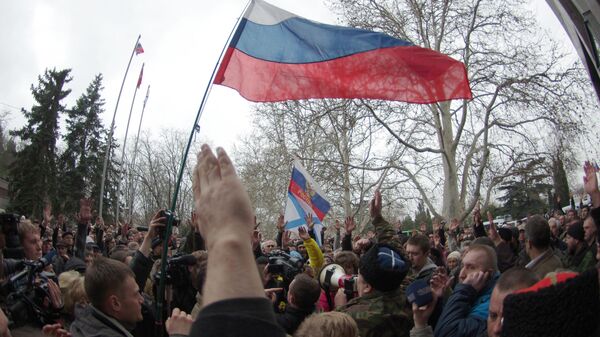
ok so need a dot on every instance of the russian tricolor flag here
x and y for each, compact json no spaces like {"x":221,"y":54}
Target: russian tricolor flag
{"x":276,"y":55}
{"x":305,"y":197}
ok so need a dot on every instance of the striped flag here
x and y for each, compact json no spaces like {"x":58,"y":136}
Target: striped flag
{"x":139,"y":49}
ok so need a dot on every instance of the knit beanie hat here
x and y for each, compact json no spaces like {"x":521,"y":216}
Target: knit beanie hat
{"x":383,"y":267}
{"x":564,"y":304}
{"x":576,"y":231}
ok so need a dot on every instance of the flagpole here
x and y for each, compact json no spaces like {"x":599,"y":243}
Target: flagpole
{"x":160,"y":295}
{"x":112,"y":129}
{"x":137,"y":138}
{"x":125,"y":141}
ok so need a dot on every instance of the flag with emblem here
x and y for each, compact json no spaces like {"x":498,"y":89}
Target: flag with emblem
{"x":305,"y":197}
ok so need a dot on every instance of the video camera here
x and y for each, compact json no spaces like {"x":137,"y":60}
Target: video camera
{"x":164,"y":213}
{"x":284,"y":265}
{"x":332,"y":277}
{"x":176,"y":272}
{"x":9,"y":228}
{"x":26,"y":292}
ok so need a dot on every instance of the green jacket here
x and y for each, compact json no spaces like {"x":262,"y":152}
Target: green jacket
{"x":581,"y":261}
{"x":380,"y":314}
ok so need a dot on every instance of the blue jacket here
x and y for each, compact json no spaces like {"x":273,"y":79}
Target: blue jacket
{"x":465,"y":313}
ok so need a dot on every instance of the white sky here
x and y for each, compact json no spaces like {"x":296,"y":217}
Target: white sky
{"x":182,"y":41}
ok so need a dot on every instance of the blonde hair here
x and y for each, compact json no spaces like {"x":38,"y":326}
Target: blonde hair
{"x":72,"y":288}
{"x":25,"y":227}
{"x":328,"y":324}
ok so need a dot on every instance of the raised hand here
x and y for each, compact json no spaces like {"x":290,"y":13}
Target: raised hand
{"x":477,"y":280}
{"x":590,"y":183}
{"x":47,"y":213}
{"x":222,"y":203}
{"x":256,"y":238}
{"x":85,"y":210}
{"x":375,"y":205}
{"x":280,"y":223}
{"x":179,"y":323}
{"x":440,"y":282}
{"x":477,"y":215}
{"x":286,"y":238}
{"x":349,"y":225}
{"x":309,"y":221}
{"x":303,"y":233}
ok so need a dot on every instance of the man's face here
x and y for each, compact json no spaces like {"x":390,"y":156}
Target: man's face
{"x":494,"y":322}
{"x":571,"y":244}
{"x":589,"y":228}
{"x":131,"y":302}
{"x":521,"y":235}
{"x":62,"y":250}
{"x":473,"y":262}
{"x":301,"y":249}
{"x":417,"y":257}
{"x":571,"y":215}
{"x":422,"y":227}
{"x":554,"y":228}
{"x":46,"y":247}
{"x":68,"y":239}
{"x":32,"y":246}
{"x":584,"y":213}
{"x":269,"y":246}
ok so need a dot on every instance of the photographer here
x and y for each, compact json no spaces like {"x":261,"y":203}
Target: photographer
{"x":33,"y":297}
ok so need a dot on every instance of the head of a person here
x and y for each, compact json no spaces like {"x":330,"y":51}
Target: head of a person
{"x":348,"y":260}
{"x":267,"y":246}
{"x":111,"y":288}
{"x":109,"y":243}
{"x":328,"y":324}
{"x":301,"y":249}
{"x":575,"y":237}
{"x":72,"y":288}
{"x":511,"y":280}
{"x":68,"y":239}
{"x":381,"y":268}
{"x":453,"y":260}
{"x":29,"y":236}
{"x":590,"y":229}
{"x":537,"y":234}
{"x":553,"y":224}
{"x":304,"y":292}
{"x":46,"y":246}
{"x":417,"y":249}
{"x":585,"y":210}
{"x":478,"y":258}
{"x":571,"y":215}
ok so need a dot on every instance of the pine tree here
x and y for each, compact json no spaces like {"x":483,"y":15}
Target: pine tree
{"x":84,"y":142}
{"x":523,"y":194}
{"x":33,"y":174}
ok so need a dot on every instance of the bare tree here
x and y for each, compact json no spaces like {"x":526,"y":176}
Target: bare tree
{"x":456,"y":153}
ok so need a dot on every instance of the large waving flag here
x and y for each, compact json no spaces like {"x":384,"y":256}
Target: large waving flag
{"x":276,"y":55}
{"x":305,"y":197}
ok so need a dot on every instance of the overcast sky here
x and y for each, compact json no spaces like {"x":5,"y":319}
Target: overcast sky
{"x":182,"y":42}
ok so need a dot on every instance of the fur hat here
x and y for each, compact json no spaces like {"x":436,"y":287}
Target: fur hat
{"x":383,"y":267}
{"x":563,"y":304}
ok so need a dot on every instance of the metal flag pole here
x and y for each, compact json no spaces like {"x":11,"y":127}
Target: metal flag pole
{"x":195,"y":126}
{"x":112,"y":129}
{"x":135,"y":148}
{"x":125,"y":141}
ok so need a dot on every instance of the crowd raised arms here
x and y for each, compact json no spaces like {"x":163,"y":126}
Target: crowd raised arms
{"x":84,"y":277}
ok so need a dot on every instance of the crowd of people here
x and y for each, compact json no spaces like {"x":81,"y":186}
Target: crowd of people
{"x":535,"y":278}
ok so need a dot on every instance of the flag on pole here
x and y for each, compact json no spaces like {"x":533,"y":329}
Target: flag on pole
{"x":141,"y":75}
{"x":276,"y":55}
{"x":304,"y":197}
{"x":139,"y":49}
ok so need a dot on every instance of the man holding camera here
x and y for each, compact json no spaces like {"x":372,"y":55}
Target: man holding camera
{"x":380,"y":308}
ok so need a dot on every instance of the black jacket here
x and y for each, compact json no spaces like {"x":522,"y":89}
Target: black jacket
{"x":292,"y":317}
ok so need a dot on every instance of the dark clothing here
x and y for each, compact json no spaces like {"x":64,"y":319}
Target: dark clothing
{"x":239,"y":317}
{"x":506,"y":256}
{"x":292,"y":317}
{"x":479,"y":230}
{"x":90,"y":322}
{"x":465,"y":314}
{"x":347,"y":242}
